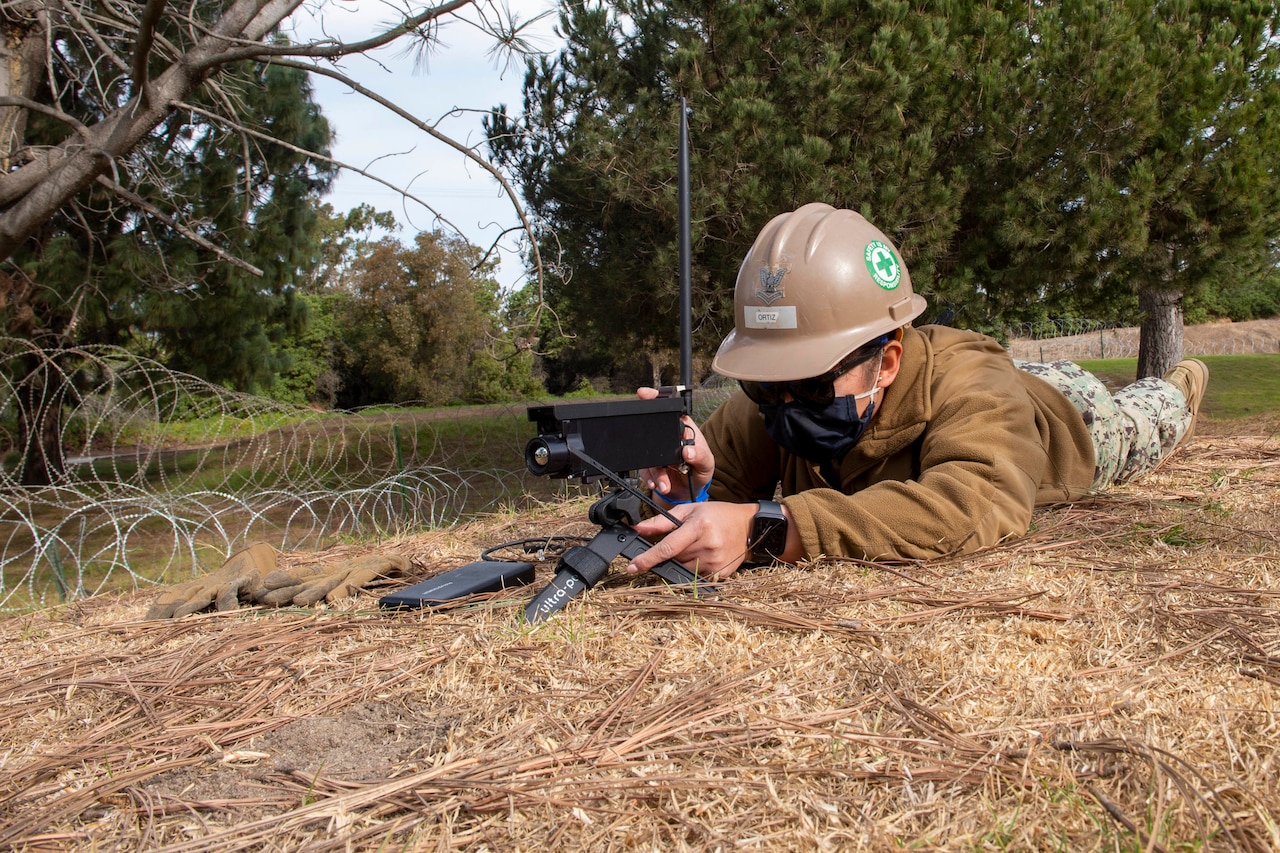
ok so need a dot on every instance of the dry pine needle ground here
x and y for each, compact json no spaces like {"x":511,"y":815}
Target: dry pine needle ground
{"x":1109,"y":682}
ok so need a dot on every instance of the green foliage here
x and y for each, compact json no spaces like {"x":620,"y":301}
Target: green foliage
{"x":1030,"y":160}
{"x":312,"y":376}
{"x":584,"y":390}
{"x":499,"y":378}
{"x":1138,"y":155}
{"x":397,"y":324}
{"x":423,"y":325}
{"x":343,"y":239}
{"x":107,"y":274}
{"x":232,"y":333}
{"x":1249,"y":299}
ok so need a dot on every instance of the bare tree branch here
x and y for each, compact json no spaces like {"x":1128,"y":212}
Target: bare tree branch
{"x":338,"y":49}
{"x":44,"y":109}
{"x":30,"y":194}
{"x":141,"y":203}
{"x":97,"y":39}
{"x":146,"y":37}
{"x":41,"y":181}
{"x":427,"y":128}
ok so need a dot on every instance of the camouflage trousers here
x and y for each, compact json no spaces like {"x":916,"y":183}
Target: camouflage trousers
{"x":1132,"y":429}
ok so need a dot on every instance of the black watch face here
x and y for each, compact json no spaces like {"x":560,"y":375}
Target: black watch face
{"x":769,"y":537}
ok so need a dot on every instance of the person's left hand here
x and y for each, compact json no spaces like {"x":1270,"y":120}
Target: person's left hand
{"x":711,"y":539}
{"x":671,"y":481}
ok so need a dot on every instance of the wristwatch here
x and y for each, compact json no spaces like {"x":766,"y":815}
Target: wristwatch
{"x":768,"y":533}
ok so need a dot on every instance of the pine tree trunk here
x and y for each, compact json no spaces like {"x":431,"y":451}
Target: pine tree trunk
{"x":1160,"y":343}
{"x":22,"y":44}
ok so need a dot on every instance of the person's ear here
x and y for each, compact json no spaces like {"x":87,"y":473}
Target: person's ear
{"x":890,"y":362}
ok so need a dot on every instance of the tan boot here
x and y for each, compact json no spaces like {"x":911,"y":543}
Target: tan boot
{"x":1190,"y":376}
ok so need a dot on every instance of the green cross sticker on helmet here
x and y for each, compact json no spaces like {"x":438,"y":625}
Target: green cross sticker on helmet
{"x":846,"y":285}
{"x":883,"y":265}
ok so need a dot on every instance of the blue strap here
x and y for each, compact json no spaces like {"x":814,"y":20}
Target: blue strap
{"x":700,"y":497}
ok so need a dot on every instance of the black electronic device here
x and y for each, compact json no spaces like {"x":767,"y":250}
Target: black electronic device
{"x":589,"y":440}
{"x":449,"y":587}
{"x":768,"y":533}
{"x":606,"y":440}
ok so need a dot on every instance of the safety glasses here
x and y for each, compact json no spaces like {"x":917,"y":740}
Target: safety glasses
{"x":818,"y":391}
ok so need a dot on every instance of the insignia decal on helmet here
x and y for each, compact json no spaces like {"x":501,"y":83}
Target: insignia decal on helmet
{"x":883,"y":264}
{"x":770,"y":285}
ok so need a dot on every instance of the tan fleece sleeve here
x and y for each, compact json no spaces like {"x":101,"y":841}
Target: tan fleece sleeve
{"x":980,"y":461}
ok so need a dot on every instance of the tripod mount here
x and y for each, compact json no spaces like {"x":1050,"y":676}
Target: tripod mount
{"x":581,"y":567}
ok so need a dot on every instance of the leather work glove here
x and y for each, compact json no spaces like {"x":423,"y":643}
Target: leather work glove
{"x":305,"y":585}
{"x":240,"y":575}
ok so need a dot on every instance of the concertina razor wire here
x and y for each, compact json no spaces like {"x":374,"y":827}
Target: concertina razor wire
{"x":164,"y":464}
{"x":160,"y":475}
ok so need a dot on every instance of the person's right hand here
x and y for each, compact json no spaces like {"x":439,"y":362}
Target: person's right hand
{"x":671,"y":480}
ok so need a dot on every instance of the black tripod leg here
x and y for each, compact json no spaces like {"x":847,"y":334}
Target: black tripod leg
{"x":578,"y":570}
{"x":671,"y":571}
{"x":583,"y":566}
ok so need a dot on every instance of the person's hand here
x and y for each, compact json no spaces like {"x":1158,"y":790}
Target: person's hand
{"x":307,"y":584}
{"x":671,"y":481}
{"x":711,"y":539}
{"x":240,"y":575}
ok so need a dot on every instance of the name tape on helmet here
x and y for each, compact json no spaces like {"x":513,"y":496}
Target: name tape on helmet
{"x":759,"y":317}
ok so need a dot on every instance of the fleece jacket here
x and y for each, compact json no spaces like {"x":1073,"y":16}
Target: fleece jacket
{"x":961,"y":447}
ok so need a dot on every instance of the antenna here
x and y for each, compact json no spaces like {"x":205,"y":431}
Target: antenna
{"x":593,"y":440}
{"x":686,"y":285}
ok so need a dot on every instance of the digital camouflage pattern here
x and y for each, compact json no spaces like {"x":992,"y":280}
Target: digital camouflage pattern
{"x":1132,"y":429}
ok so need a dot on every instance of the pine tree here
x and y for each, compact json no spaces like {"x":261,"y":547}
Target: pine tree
{"x":99,"y":272}
{"x":1027,"y":158}
{"x":151,"y":287}
{"x":853,"y":103}
{"x":1140,"y":171}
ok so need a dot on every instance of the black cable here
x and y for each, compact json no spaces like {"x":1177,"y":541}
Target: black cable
{"x":545,"y":547}
{"x":688,"y":469}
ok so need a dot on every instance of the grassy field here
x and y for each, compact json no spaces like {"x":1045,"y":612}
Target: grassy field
{"x":1240,"y":386}
{"x":484,"y":445}
{"x":1108,"y":682}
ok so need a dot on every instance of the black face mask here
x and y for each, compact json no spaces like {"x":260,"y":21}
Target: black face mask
{"x":819,"y":435}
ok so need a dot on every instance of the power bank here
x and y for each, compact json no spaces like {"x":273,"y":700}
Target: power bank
{"x":471,"y":579}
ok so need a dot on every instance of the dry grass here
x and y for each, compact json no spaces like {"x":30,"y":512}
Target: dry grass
{"x":1109,"y":682}
{"x":1217,"y":338}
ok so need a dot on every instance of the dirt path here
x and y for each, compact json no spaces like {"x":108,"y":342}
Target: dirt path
{"x":1224,"y":338}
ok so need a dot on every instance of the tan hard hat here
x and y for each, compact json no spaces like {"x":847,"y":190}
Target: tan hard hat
{"x":817,"y":284}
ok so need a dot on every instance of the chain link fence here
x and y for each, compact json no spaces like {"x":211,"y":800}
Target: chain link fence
{"x":1079,"y":340}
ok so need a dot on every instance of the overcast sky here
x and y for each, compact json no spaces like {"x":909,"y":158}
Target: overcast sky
{"x":458,"y":75}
